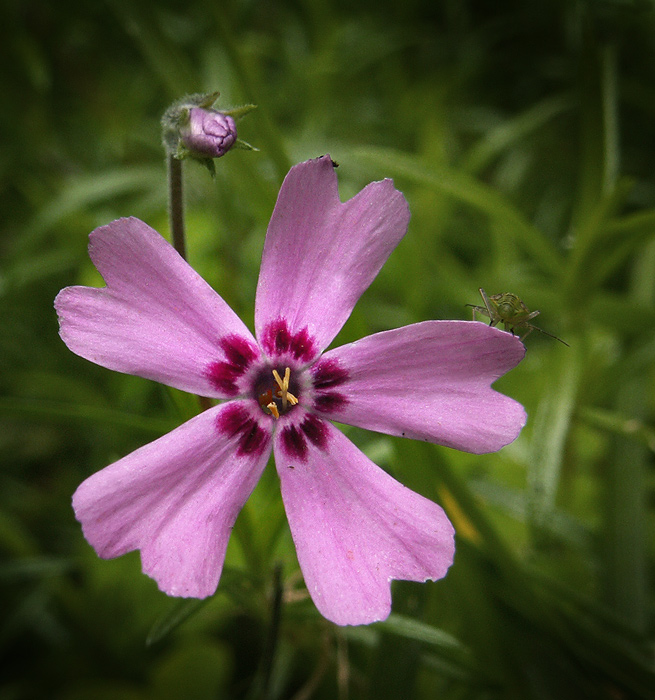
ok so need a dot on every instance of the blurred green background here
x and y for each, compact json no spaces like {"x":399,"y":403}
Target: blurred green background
{"x":523,"y":136}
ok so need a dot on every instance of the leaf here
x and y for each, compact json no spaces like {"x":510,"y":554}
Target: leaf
{"x":410,"y":628}
{"x":470,"y":191}
{"x":35,"y":567}
{"x":171,"y":620}
{"x":61,"y":412}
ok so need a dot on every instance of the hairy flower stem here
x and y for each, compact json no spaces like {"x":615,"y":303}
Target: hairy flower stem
{"x":176,"y":204}
{"x":176,"y":221}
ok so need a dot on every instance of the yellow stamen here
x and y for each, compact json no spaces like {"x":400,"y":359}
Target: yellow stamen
{"x":272,"y":407}
{"x":287,"y":398}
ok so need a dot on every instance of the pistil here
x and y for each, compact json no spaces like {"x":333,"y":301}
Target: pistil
{"x":271,"y":398}
{"x":283,"y":393}
{"x":272,"y":407}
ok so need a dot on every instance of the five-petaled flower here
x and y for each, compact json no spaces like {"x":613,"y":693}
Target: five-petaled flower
{"x":355,"y":528}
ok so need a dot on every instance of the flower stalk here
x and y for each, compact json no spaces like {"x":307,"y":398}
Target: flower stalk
{"x":191,"y":129}
{"x":176,"y":222}
{"x":176,"y":205}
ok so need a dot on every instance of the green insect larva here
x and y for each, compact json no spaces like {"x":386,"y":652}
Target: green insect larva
{"x":509,"y":310}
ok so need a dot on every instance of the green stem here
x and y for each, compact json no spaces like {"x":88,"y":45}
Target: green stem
{"x":609,"y":104}
{"x":273,"y":632}
{"x":261,"y":688}
{"x":625,"y":538}
{"x":176,"y":204}
{"x":176,"y":219}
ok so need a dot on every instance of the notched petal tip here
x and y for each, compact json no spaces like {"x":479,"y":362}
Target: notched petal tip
{"x":155,"y":318}
{"x":332,"y":496}
{"x":333,"y":248}
{"x":436,"y":379}
{"x":176,"y":500}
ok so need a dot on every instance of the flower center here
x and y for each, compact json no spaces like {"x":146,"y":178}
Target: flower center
{"x":276,"y":398}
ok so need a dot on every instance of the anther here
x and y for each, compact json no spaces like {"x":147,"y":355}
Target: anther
{"x":283,"y":393}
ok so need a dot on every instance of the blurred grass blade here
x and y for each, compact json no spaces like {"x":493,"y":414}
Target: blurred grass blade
{"x":621,"y":238}
{"x":171,"y":620}
{"x":626,"y":518}
{"x":143,"y":25}
{"x":514,"y":502}
{"x":619,"y":424}
{"x":467,"y":190}
{"x":440,"y":649}
{"x":551,"y":430}
{"x":54,"y":411}
{"x":511,"y":131}
{"x":590,"y":244}
{"x":35,"y":567}
{"x":34,"y":269}
{"x":410,"y":628}
{"x":87,"y":191}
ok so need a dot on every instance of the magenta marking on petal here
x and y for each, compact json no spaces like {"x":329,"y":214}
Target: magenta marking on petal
{"x":233,"y":419}
{"x":316,"y":430}
{"x":277,"y":339}
{"x":302,"y":346}
{"x":294,"y":442}
{"x":253,"y":441}
{"x":294,"y":437}
{"x":224,"y":374}
{"x":328,"y":373}
{"x":330,"y":402}
{"x":239,"y":352}
{"x":223,"y":377}
{"x":236,"y":420}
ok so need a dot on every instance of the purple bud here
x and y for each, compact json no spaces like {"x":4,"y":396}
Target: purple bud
{"x":209,"y":133}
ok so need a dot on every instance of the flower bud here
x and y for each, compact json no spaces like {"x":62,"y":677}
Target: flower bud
{"x":209,"y":133}
{"x":192,"y":129}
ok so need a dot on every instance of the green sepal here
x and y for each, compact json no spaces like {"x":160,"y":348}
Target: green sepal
{"x":205,"y":100}
{"x":239,"y":112}
{"x":244,"y":145}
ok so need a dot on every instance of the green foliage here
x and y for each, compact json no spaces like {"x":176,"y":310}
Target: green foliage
{"x":522,"y":135}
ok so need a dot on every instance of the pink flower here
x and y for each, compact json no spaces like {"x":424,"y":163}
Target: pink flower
{"x":355,"y":528}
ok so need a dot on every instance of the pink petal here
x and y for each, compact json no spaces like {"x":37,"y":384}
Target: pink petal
{"x":156,"y":317}
{"x":355,"y":527}
{"x":177,"y":498}
{"x":431,"y":381}
{"x":320,"y":254}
